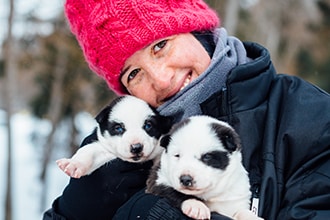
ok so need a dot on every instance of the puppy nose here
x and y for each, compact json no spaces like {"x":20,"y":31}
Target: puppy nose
{"x":136,"y":148}
{"x":186,"y":180}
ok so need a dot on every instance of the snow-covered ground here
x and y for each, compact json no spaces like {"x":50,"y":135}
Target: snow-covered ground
{"x":26,"y":186}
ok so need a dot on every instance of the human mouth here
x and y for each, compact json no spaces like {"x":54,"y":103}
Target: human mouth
{"x":186,"y":82}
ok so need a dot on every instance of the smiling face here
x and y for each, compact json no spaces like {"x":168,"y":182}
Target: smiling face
{"x":160,"y":70}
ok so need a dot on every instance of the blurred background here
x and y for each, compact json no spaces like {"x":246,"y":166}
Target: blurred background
{"x":48,"y":95}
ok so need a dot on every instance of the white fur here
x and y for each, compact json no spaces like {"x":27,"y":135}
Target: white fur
{"x":130,"y":111}
{"x":223,"y":191}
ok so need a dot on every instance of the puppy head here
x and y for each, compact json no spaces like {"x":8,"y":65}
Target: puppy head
{"x":199,"y":153}
{"x":130,"y":129}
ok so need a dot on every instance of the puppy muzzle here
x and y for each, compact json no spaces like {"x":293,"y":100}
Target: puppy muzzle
{"x":137,"y":151}
{"x":186,"y":181}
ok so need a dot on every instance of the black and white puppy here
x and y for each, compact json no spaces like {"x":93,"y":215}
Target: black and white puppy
{"x":201,"y":170}
{"x":128,"y":129}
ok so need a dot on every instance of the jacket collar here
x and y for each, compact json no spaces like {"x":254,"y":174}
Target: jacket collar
{"x":247,"y":85}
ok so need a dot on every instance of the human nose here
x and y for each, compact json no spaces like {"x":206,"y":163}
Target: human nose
{"x":160,"y":77}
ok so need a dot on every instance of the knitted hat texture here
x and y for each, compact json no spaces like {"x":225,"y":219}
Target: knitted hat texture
{"x":110,"y":31}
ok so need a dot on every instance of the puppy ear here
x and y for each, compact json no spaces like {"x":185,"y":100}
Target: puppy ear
{"x":166,"y":123}
{"x":227,"y":136}
{"x":229,"y":142}
{"x":103,"y":115}
{"x":165,"y":141}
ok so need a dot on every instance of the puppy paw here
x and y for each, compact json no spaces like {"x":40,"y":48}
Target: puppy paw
{"x":72,"y":167}
{"x":195,"y":209}
{"x":246,"y":215}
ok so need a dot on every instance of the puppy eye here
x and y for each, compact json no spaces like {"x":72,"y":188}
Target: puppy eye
{"x":177,"y":155}
{"x":118,"y":128}
{"x":216,"y":159}
{"x":147,"y":126}
{"x":207,"y":157}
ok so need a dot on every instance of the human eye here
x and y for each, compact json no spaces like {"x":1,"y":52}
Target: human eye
{"x":132,"y":75}
{"x":159,"y":46}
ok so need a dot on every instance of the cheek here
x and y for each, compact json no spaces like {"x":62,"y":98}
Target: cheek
{"x":150,"y":99}
{"x":200,"y":62}
{"x":192,"y":54}
{"x":170,"y":164}
{"x":118,"y":147}
{"x":146,"y":94}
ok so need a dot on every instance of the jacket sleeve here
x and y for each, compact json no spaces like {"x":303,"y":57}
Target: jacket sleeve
{"x":100,"y":194}
{"x":51,"y":214}
{"x":150,"y":207}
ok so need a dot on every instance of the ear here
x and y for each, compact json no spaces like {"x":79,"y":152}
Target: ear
{"x":229,"y":142}
{"x":227,"y":136}
{"x":165,"y":141}
{"x":166,"y":123}
{"x":103,"y":115}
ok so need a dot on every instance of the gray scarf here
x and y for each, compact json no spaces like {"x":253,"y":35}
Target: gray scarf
{"x":229,"y":52}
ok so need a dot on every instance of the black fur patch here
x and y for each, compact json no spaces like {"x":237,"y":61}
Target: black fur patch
{"x":216,"y":159}
{"x":227,"y":136}
{"x":165,"y":141}
{"x":157,"y":125}
{"x":115,"y":128}
{"x":102,"y":118}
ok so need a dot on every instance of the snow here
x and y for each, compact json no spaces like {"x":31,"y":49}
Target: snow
{"x":26,"y":166}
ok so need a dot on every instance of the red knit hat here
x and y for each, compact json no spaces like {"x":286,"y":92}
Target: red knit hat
{"x":110,"y":31}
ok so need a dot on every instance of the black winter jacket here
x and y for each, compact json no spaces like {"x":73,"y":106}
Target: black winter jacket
{"x":284,"y":124}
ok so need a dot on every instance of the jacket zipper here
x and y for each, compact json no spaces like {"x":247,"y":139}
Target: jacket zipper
{"x":255,"y":200}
